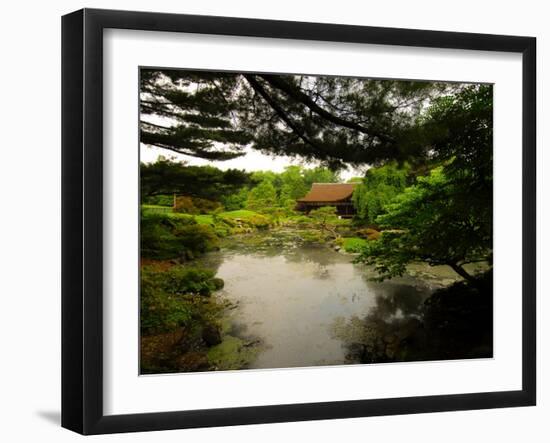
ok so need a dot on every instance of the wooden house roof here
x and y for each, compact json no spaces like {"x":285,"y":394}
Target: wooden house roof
{"x":329,"y":192}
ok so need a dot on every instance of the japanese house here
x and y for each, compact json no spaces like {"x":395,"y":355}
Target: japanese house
{"x":329,"y":194}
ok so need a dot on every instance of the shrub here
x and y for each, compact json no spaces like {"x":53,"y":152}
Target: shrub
{"x":196,"y":239}
{"x":235,"y":201}
{"x":183,"y":280}
{"x":354,"y":244}
{"x":302,"y":220}
{"x":185,"y":205}
{"x":165,"y":236}
{"x":205,"y":206}
{"x":195,"y":205}
{"x":159,"y":200}
{"x":167,"y":297}
{"x":160,"y":311}
{"x":246,"y":217}
{"x":312,"y":236}
{"x":258,"y":221}
{"x":369,"y":234}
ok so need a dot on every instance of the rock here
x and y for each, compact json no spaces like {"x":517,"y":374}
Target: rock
{"x":218,"y":283}
{"x":211,"y":335}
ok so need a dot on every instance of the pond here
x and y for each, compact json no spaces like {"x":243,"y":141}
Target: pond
{"x":294,"y":298}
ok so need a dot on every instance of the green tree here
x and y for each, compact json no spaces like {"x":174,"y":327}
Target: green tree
{"x":169,"y":177}
{"x":319,"y":175}
{"x":164,"y":237}
{"x":431,"y":221}
{"x":235,"y":201}
{"x":326,"y":219}
{"x":379,"y":186}
{"x":446,"y":217}
{"x":293,"y":184}
{"x":262,"y":196}
{"x":460,"y":128}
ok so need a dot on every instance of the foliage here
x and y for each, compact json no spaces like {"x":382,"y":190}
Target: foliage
{"x":159,"y":310}
{"x":318,"y":175}
{"x":166,"y":200}
{"x":299,"y":220}
{"x":170,"y":177}
{"x":461,"y":130}
{"x":335,"y":120}
{"x":460,"y":127}
{"x":276,"y":193}
{"x":262,"y":196}
{"x":164,"y":236}
{"x":431,"y":221}
{"x":166,"y":300}
{"x":205,"y":189}
{"x":235,"y":201}
{"x":379,"y":186}
{"x":325,"y":218}
{"x":184,"y":280}
{"x":353,"y":244}
{"x":185,"y":205}
{"x":292,"y":184}
{"x":368,"y":233}
{"x":249,"y":218}
{"x":324,"y":215}
{"x":446,"y":217}
{"x":233,"y":222}
{"x":201,"y":111}
{"x":195,"y":205}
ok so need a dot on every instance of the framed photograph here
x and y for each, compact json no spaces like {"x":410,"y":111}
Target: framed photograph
{"x":268,"y":221}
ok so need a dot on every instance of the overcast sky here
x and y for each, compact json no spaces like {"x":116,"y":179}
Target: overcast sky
{"x":252,"y":161}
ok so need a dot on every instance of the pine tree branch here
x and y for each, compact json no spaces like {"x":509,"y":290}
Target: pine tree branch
{"x":297,"y":94}
{"x":279,"y":110}
{"x":154,"y":125}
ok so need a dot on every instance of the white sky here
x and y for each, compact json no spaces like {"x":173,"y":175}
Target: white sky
{"x":252,"y":161}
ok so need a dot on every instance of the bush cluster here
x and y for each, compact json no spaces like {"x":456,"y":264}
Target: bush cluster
{"x":194,"y":205}
{"x":164,"y":236}
{"x":159,"y":200}
{"x":169,"y":298}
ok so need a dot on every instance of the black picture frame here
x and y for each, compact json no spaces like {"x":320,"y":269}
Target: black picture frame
{"x":82,"y":219}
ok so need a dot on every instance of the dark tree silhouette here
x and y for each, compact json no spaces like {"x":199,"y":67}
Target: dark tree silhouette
{"x":335,"y":120}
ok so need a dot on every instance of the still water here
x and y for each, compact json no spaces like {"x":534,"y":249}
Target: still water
{"x":291,"y":298}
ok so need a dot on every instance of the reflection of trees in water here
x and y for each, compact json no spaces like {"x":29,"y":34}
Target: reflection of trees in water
{"x":211,"y":260}
{"x":408,"y":324}
{"x":319,"y":255}
{"x":291,"y":247}
{"x":376,"y":337}
{"x":392,"y":298}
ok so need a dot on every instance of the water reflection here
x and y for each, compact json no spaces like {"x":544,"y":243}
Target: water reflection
{"x":409,"y":323}
{"x":306,"y":303}
{"x":377,"y":335}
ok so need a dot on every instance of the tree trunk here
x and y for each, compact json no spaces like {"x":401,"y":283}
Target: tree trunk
{"x":462,"y":272}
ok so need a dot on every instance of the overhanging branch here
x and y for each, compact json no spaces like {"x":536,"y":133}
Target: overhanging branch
{"x":298,"y":95}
